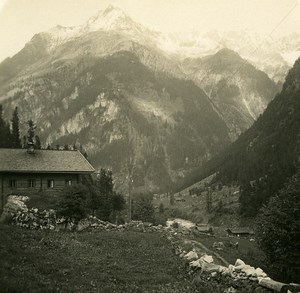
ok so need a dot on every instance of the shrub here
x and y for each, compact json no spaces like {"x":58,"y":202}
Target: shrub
{"x":142,"y":208}
{"x":73,"y":203}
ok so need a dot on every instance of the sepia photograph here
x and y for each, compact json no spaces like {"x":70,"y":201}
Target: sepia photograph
{"x":150,"y":146}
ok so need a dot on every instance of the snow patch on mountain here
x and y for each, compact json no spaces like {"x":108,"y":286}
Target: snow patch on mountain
{"x":291,"y":56}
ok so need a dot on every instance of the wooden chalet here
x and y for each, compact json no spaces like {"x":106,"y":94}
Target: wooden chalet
{"x":204,"y":228}
{"x":46,"y":171}
{"x":240,"y":232}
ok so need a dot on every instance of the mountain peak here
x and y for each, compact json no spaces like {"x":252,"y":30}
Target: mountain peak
{"x":112,"y":9}
{"x":225,"y":52}
{"x":110,"y":18}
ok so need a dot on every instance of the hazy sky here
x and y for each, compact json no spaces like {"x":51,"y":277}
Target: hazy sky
{"x":21,"y":19}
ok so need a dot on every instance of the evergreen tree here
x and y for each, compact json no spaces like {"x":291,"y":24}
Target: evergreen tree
{"x":101,"y":195}
{"x":25,"y":144}
{"x":38,"y":144}
{"x":143,"y":209}
{"x":161,"y":208}
{"x":278,"y":230}
{"x":5,"y":134}
{"x":118,"y":204}
{"x":15,"y":135}
{"x":31,"y":131}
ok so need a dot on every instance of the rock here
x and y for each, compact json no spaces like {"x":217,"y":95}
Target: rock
{"x":210,"y":267}
{"x":223,"y":270}
{"x":260,"y":273}
{"x":239,"y":262}
{"x":230,"y":290}
{"x":83,"y":224}
{"x":196,"y":263}
{"x":219,"y":245}
{"x":213,"y":274}
{"x":14,"y":205}
{"x":70,"y":226}
{"x":191,"y":255}
{"x":207,"y":258}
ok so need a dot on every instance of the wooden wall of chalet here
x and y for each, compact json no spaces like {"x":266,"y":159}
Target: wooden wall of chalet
{"x":41,"y":183}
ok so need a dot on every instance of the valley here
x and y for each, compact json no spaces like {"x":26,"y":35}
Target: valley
{"x":110,"y":86}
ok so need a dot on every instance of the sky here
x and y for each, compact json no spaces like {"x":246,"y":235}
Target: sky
{"x":21,"y":19}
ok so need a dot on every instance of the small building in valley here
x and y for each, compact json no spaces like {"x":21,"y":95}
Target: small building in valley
{"x":26,"y":171}
{"x":204,"y":228}
{"x":240,"y":232}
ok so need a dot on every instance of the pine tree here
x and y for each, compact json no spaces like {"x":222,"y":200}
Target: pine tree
{"x":2,"y":125}
{"x":5,"y":134}
{"x":278,"y":228}
{"x":25,"y":144}
{"x":38,"y":144}
{"x":15,"y":135}
{"x":31,"y":131}
{"x":101,"y":198}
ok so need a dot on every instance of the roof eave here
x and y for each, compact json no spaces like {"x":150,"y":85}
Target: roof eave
{"x":45,"y":172}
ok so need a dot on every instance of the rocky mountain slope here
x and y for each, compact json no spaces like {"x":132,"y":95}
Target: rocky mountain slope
{"x":265,"y":155}
{"x":240,"y":92}
{"x":109,"y":85}
{"x":273,"y":55}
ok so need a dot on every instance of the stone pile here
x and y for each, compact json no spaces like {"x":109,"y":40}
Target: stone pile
{"x":239,"y":277}
{"x":205,"y":263}
{"x":14,"y":204}
{"x":94,"y":223}
{"x":35,"y":219}
{"x":18,"y":214}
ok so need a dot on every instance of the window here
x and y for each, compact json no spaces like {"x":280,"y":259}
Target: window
{"x":31,"y":183}
{"x":12,"y":183}
{"x":68,"y":182}
{"x":51,"y":183}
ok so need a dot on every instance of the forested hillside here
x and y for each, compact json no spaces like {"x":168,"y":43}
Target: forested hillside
{"x":263,"y":157}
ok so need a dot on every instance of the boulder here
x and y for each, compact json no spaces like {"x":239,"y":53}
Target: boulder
{"x":239,"y":262}
{"x":207,"y":258}
{"x":83,"y":224}
{"x":191,"y":255}
{"x":230,"y":290}
{"x":219,"y":245}
{"x":259,"y":273}
{"x":14,"y":205}
{"x":196,"y":263}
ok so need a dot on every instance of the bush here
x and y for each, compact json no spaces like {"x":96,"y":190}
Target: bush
{"x":73,"y":203}
{"x":142,"y":208}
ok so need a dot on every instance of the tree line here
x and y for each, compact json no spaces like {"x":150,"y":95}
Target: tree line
{"x":10,"y":132}
{"x":10,"y":135}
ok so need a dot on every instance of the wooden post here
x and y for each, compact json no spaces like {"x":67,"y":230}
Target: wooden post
{"x":273,"y":285}
{"x":129,"y":197}
{"x":1,"y":194}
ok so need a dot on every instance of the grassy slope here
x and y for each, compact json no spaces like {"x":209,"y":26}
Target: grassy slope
{"x":43,"y":261}
{"x":248,"y":251}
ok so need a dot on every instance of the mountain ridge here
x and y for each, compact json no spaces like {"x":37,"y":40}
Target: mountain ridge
{"x":109,"y":91}
{"x":267,"y":154}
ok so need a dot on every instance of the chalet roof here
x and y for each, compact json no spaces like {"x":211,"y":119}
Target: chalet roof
{"x":43,"y":161}
{"x":242,"y":230}
{"x":203,"y":227}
